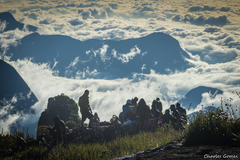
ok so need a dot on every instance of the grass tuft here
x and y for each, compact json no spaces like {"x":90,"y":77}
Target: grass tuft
{"x":213,"y":127}
{"x":108,"y":150}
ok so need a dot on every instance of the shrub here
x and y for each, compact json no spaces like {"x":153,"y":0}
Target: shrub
{"x":9,"y":142}
{"x":107,"y":150}
{"x":71,"y":124}
{"x":213,"y":127}
{"x":42,"y":130}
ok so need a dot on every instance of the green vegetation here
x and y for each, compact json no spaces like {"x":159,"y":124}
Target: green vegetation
{"x":42,"y":130}
{"x":121,"y":146}
{"x":107,"y":150}
{"x":214,"y":127}
{"x":9,"y":143}
{"x":71,"y":124}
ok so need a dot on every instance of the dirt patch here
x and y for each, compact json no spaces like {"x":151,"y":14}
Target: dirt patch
{"x":175,"y":150}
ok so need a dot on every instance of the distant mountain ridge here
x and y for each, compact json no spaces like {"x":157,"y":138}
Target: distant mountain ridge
{"x":194,"y":96}
{"x":103,"y":58}
{"x":12,"y":24}
{"x":12,"y":85}
{"x":206,"y":109}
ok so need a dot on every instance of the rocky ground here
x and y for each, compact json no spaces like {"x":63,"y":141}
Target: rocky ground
{"x":175,"y":150}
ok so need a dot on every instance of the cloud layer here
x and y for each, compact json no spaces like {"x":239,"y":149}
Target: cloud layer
{"x":201,"y":20}
{"x":209,"y":32}
{"x":108,"y":96}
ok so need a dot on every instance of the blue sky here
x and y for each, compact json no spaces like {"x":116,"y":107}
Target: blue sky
{"x":207,"y":30}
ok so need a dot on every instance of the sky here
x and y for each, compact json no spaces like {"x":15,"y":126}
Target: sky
{"x":208,"y":30}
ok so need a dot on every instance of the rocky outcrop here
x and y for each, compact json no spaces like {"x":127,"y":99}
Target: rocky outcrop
{"x":61,"y":105}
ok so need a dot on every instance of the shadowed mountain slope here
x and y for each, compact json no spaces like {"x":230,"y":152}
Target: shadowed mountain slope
{"x":15,"y":95}
{"x":103,"y":58}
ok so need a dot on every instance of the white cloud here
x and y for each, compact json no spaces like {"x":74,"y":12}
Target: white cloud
{"x":125,"y":58}
{"x":7,"y":106}
{"x":3,"y":25}
{"x":86,"y":73}
{"x":108,"y":96}
{"x":8,"y":113}
{"x":85,"y":14}
{"x":228,"y":101}
{"x":48,"y":20}
{"x":73,"y":63}
{"x":96,"y":21}
{"x":8,"y":122}
{"x":143,"y":67}
{"x":102,"y":52}
{"x":11,"y":37}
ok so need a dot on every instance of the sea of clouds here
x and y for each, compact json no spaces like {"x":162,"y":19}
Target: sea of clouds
{"x":214,"y":52}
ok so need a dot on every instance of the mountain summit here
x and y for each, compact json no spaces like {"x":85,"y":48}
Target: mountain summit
{"x":10,"y":23}
{"x":103,"y":58}
{"x":194,"y":96}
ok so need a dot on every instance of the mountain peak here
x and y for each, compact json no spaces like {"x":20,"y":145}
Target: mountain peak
{"x":31,"y":36}
{"x":194,"y":96}
{"x":7,"y":16}
{"x":158,"y":34}
{"x":12,"y":24}
{"x":161,"y":36}
{"x":203,"y":89}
